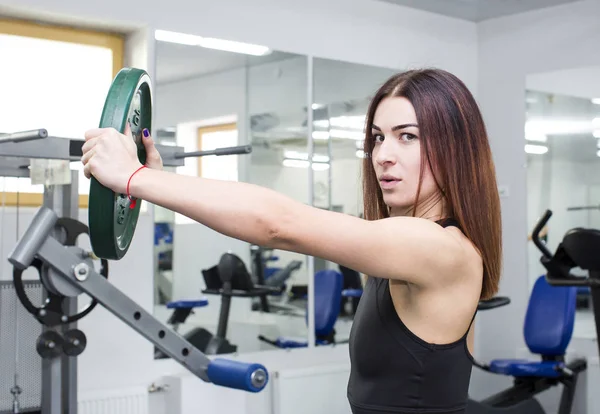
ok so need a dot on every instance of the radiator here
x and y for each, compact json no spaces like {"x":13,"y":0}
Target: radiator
{"x":117,"y":401}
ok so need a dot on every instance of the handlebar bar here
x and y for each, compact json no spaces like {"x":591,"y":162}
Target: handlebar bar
{"x":535,"y":235}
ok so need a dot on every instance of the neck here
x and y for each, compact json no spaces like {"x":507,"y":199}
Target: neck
{"x":433,"y":208}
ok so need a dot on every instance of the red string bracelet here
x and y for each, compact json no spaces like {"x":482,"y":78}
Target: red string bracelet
{"x":132,"y":201}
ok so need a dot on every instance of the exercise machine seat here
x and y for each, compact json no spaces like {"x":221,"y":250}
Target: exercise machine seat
{"x":187,"y":304}
{"x":525,"y":368}
{"x":289,"y":343}
{"x":548,"y":329}
{"x":328,"y":297}
{"x":182,"y":309}
{"x":550,"y":318}
{"x":352,"y":293}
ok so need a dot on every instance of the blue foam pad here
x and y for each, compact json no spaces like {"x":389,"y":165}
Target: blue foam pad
{"x":287,"y":343}
{"x":525,"y":368}
{"x":187,"y":304}
{"x":270,"y":271}
{"x":352,"y":293}
{"x":234,"y":374}
{"x":328,"y":299}
{"x":283,"y":342}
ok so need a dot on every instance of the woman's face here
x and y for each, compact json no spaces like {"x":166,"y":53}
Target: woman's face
{"x":396,"y":157}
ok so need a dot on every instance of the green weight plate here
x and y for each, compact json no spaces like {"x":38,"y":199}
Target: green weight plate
{"x":111,"y":220}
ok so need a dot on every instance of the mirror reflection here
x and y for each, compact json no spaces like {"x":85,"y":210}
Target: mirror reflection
{"x":209,"y":99}
{"x":213,"y":289}
{"x":342,"y":92}
{"x":562,"y":142}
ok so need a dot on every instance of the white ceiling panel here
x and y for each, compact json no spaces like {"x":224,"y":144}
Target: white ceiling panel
{"x":478,"y":10}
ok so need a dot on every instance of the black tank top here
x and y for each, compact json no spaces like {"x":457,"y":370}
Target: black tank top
{"x":395,"y":371}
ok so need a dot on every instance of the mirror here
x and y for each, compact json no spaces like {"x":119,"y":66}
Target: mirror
{"x":207,"y":99}
{"x":277,"y":106}
{"x":342,"y":93}
{"x":562,"y":142}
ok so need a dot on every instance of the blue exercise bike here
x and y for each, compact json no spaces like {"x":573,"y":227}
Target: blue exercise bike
{"x":548,"y":327}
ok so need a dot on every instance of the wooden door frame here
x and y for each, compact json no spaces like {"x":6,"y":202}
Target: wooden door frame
{"x":231,"y":126}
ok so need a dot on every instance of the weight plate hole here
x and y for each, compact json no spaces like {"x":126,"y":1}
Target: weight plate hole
{"x":137,"y":316}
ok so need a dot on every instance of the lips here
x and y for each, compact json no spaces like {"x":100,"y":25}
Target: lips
{"x":388,"y":181}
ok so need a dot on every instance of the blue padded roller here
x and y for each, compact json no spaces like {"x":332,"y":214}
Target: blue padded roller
{"x":187,"y":304}
{"x":239,"y":375}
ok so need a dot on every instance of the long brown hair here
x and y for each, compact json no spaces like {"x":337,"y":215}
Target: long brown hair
{"x":454,"y":144}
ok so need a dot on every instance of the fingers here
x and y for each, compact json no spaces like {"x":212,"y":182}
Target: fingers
{"x":88,"y":152}
{"x":94,"y":133}
{"x":127,"y":131}
{"x":148,"y":141}
{"x":87,"y":170}
{"x":87,"y":155}
{"x":88,"y":145}
{"x":97,"y":132}
{"x":153,"y":158}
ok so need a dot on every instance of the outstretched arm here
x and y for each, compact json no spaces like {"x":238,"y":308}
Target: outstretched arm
{"x":411,"y":249}
{"x":396,"y":248}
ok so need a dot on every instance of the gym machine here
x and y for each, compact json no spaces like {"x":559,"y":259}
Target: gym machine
{"x":70,"y":272}
{"x":578,"y":249}
{"x":67,"y":271}
{"x":264,"y":276}
{"x":229,"y":278}
{"x":548,"y":326}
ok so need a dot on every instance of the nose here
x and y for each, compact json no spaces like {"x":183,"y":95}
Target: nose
{"x":385,"y":154}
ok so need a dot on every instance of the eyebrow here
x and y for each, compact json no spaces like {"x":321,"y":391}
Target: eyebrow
{"x":397,"y":127}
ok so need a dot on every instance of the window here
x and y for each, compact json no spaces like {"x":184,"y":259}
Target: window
{"x":47,"y":81}
{"x":221,"y":167}
{"x":204,"y":136}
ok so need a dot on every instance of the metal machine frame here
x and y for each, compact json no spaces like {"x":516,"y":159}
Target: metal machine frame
{"x":69,"y":270}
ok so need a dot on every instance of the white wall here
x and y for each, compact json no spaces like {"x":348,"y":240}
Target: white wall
{"x":511,"y":48}
{"x":580,"y":82}
{"x":365,"y":31}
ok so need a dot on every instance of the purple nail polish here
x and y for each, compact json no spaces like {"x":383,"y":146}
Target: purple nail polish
{"x":146,"y":133}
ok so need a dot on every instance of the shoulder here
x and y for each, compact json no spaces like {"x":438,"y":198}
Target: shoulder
{"x":469,"y":262}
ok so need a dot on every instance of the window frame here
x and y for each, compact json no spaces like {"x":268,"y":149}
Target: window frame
{"x":231,"y":126}
{"x":50,"y":31}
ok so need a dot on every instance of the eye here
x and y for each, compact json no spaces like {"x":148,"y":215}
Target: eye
{"x":377,"y":137}
{"x":408,"y":137}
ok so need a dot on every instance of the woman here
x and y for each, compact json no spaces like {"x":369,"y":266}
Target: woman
{"x":430,"y":241}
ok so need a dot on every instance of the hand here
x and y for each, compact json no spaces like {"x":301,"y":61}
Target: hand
{"x":111,"y":157}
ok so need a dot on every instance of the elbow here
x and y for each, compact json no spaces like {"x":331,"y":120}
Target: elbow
{"x":276,"y":231}
{"x":272,"y":235}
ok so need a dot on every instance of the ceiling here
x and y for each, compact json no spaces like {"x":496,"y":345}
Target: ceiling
{"x":176,"y":62}
{"x":478,"y":10}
